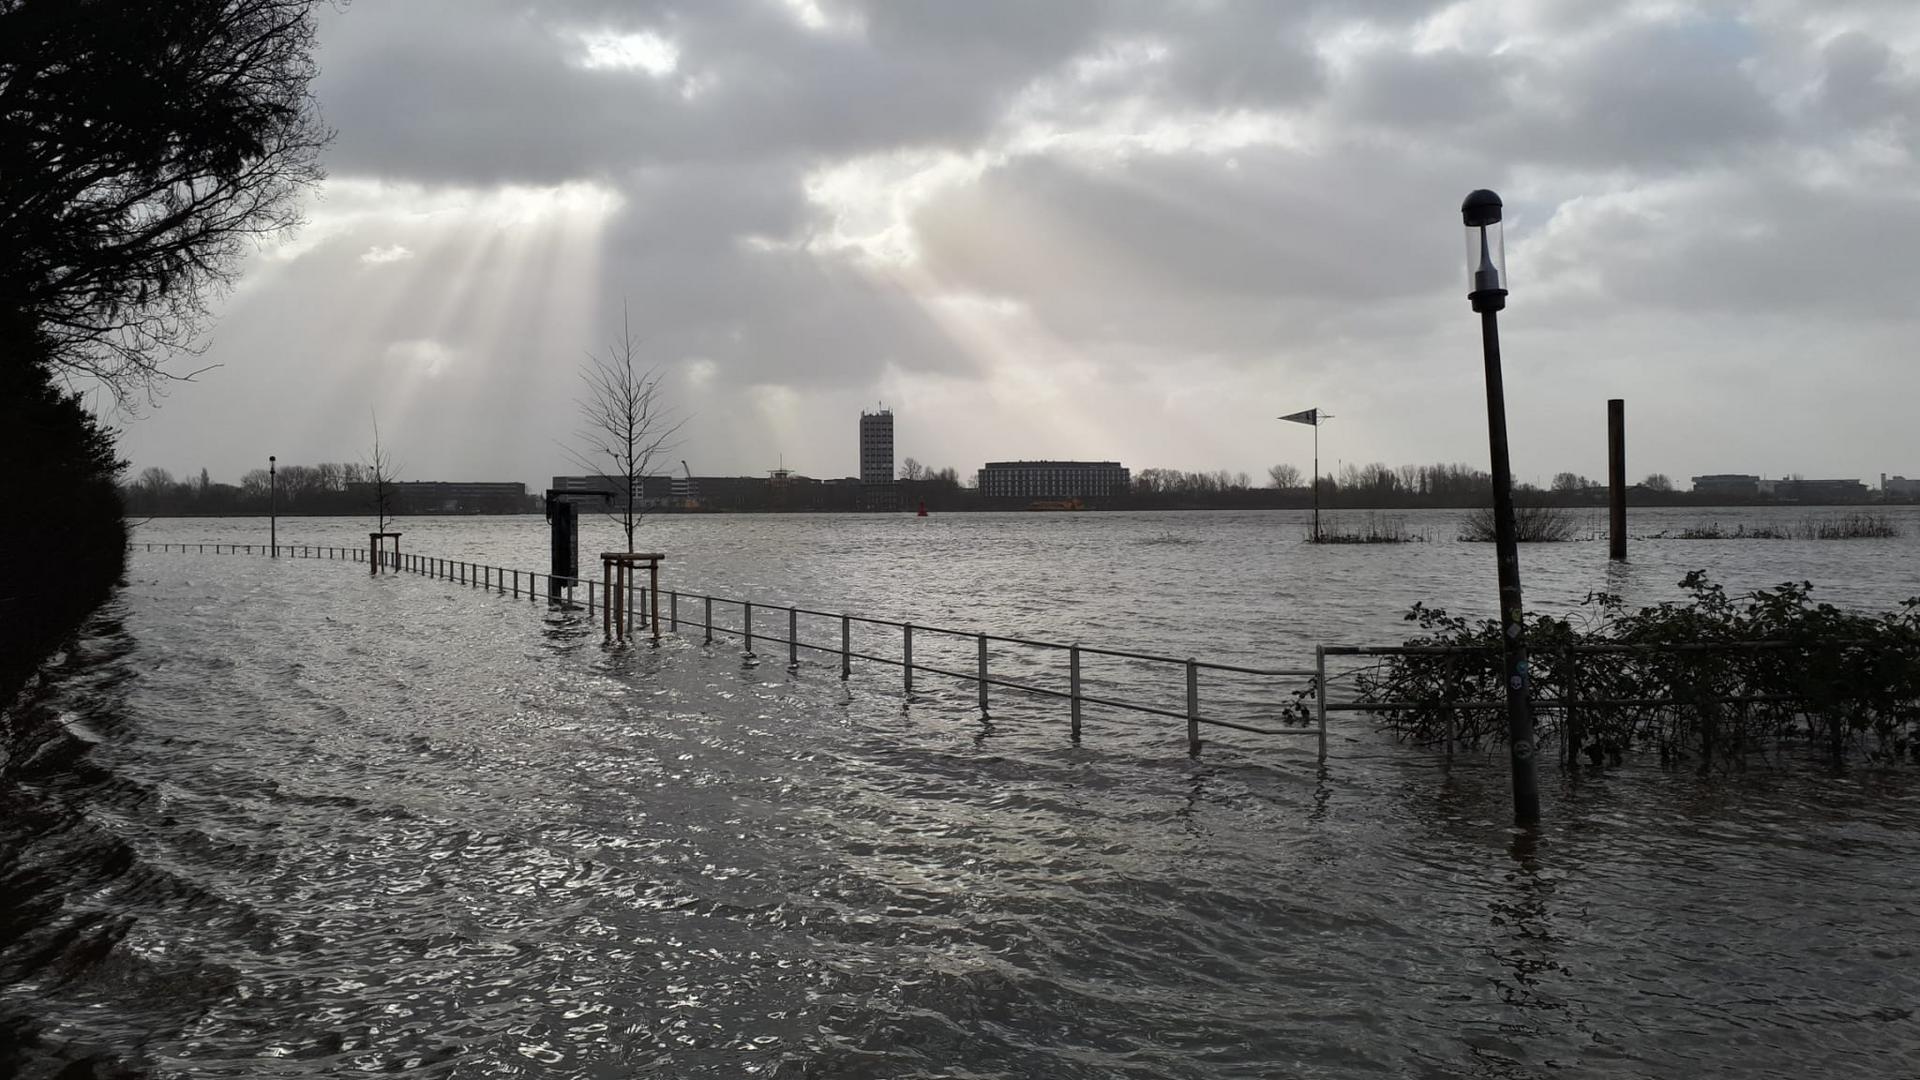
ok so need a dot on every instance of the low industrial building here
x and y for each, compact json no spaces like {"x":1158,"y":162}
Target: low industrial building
{"x":1732,"y":485}
{"x":1819,"y":491}
{"x":452,"y":496}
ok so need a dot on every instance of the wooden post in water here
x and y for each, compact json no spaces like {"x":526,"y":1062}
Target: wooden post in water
{"x":1193,"y":708}
{"x":1073,"y":688}
{"x":982,"y":678}
{"x":906,"y":647}
{"x":1617,"y":479}
{"x":793,"y":637}
{"x":846,"y":647}
{"x":746,"y":619}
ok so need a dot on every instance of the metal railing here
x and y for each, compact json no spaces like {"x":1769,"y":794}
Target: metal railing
{"x":1074,"y":691}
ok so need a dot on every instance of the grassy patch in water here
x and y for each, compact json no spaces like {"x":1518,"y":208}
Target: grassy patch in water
{"x":1375,"y":530}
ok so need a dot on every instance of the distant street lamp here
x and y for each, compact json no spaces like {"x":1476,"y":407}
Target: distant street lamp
{"x":1487,"y":273}
{"x":273,"y":509}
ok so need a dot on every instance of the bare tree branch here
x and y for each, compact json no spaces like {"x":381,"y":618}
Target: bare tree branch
{"x":381,"y":475}
{"x":626,"y":424}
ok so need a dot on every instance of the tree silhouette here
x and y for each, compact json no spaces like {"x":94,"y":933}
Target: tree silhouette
{"x":144,"y":146}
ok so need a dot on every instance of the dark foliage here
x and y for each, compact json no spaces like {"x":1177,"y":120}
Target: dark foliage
{"x":1709,"y":680}
{"x":144,"y":145}
{"x":62,"y":541}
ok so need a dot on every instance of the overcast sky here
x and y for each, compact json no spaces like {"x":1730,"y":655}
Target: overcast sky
{"x":1136,"y":231}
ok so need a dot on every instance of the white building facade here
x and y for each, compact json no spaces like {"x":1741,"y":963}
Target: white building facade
{"x":1053,"y":479}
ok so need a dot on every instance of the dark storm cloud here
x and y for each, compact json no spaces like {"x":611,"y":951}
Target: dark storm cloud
{"x":812,"y":203}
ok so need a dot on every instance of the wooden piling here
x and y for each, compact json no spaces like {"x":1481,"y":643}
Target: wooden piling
{"x":1073,"y":688}
{"x":1193,"y":707}
{"x":1617,"y":479}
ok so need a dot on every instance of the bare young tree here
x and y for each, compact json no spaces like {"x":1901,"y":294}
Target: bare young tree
{"x":380,"y":475}
{"x":626,"y":425}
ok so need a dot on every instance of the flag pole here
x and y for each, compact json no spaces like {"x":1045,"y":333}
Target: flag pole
{"x":1316,"y":476}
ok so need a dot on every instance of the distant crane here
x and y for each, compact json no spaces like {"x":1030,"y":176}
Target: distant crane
{"x":690,"y":494}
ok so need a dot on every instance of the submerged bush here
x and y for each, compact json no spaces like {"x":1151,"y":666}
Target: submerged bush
{"x":1706,"y":680}
{"x":1531,"y":525}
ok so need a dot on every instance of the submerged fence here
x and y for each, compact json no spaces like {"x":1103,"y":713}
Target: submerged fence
{"x":696,"y":612}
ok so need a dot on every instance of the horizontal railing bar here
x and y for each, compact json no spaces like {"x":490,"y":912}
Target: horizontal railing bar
{"x":1558,"y":703}
{"x":1260,"y":730}
{"x":1577,"y":650}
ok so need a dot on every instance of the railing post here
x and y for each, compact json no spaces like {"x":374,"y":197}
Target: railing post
{"x":983,"y":675}
{"x":709,"y":601}
{"x":1193,"y":707}
{"x":673,"y":610}
{"x":589,"y":584}
{"x":1573,"y":730}
{"x":1073,"y":687}
{"x":846,"y":647}
{"x":644,"y":609}
{"x":793,"y":637}
{"x":906,"y":665}
{"x":746,"y":611}
{"x":1320,"y":694}
{"x":516,"y":584}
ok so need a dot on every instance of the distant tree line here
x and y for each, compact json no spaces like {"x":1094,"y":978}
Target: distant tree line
{"x":327,"y":489}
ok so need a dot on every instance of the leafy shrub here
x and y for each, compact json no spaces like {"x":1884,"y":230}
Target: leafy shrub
{"x":1705,"y":680}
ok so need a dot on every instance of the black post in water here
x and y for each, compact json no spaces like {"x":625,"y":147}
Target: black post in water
{"x":273,"y":508}
{"x":1486,"y":263}
{"x":1617,"y":479}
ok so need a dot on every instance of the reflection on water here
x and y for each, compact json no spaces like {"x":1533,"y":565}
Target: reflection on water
{"x":294,"y":820}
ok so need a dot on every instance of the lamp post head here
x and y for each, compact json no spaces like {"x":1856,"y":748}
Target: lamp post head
{"x":270,"y":460}
{"x":1486,"y":251}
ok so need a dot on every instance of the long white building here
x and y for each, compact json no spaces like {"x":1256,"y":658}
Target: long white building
{"x":1053,"y":479}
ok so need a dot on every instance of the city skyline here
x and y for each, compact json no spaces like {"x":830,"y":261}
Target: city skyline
{"x":1096,"y":230}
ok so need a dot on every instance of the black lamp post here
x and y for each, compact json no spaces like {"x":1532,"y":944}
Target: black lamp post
{"x":273,"y":508}
{"x":1487,"y":273}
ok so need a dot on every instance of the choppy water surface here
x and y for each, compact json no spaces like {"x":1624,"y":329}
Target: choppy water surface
{"x":290,"y":820}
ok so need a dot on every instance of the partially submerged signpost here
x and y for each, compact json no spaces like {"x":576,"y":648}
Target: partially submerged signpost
{"x":563,"y":517}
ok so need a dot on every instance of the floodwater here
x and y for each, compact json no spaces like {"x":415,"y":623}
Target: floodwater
{"x":288,"y":819}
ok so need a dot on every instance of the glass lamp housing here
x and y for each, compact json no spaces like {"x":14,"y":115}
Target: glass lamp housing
{"x":1486,"y":242}
{"x":1486,"y":258}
